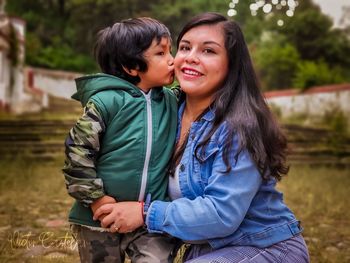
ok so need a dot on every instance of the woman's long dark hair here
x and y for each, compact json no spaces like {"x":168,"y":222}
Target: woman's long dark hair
{"x":241,"y":104}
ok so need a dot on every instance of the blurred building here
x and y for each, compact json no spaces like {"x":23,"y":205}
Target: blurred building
{"x":5,"y":63}
{"x":12,"y":48}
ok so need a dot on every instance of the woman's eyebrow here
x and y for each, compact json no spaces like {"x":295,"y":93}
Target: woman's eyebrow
{"x":186,"y":41}
{"x":211,"y":42}
{"x":205,"y":42}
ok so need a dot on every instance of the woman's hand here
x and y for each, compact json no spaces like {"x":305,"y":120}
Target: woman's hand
{"x":100,"y":202}
{"x":122,"y":217}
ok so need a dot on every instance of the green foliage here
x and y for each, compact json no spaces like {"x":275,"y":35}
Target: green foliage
{"x":252,"y":26}
{"x":307,"y":51}
{"x":61,"y":33}
{"x":175,"y":13}
{"x":57,"y":56}
{"x":276,"y":110}
{"x":276,"y":62}
{"x":299,"y":118}
{"x":50,"y":38}
{"x":64,"y":57}
{"x":311,"y":32}
{"x":252,"y":30}
{"x":312,"y":73}
{"x":336,"y":120}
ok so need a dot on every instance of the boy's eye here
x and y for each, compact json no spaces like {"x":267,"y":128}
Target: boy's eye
{"x":161,"y":53}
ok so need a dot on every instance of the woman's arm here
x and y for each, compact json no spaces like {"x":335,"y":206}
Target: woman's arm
{"x":218,"y":212}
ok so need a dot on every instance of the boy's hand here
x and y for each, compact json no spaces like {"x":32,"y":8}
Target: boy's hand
{"x":100,"y":202}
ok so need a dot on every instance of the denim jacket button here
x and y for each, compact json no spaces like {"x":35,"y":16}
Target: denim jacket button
{"x":182,"y":168}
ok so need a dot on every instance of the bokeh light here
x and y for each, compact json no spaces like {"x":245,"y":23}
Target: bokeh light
{"x":231,"y":12}
{"x":267,"y":7}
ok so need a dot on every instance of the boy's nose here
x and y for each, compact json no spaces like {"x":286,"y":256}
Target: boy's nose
{"x":171,"y":60}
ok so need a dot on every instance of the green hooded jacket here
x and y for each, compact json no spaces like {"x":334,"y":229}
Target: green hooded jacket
{"x":129,"y":157}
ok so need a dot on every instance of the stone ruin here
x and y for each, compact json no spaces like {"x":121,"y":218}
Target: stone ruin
{"x":12,"y":52}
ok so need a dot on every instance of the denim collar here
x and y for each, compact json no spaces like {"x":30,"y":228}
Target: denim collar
{"x":208,"y":116}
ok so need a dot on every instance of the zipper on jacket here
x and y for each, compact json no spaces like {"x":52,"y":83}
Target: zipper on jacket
{"x":148,"y":146}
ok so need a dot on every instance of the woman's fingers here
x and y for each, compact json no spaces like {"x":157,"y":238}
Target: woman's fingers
{"x":108,"y":220}
{"x":120,"y":217}
{"x":104,"y":209}
{"x":114,"y":228}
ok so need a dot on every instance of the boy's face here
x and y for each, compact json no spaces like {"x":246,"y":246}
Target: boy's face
{"x":160,"y":64}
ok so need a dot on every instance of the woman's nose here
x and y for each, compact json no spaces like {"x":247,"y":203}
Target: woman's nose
{"x":191,"y":57}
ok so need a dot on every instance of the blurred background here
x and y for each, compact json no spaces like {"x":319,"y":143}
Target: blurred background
{"x":301,"y":53}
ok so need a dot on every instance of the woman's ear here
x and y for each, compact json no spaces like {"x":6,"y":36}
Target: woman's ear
{"x":131,"y":72}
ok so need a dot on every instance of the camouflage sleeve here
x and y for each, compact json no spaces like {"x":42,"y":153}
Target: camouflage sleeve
{"x":177,"y":92}
{"x":82,"y":146}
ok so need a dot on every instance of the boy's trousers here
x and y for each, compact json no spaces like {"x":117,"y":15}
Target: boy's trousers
{"x":139,"y":245}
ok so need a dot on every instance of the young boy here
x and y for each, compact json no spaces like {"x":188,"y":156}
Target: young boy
{"x":120,"y":147}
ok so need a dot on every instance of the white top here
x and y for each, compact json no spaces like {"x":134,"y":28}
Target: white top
{"x":174,"y":190}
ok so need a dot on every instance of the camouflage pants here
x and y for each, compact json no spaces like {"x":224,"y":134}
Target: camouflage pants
{"x":139,"y":245}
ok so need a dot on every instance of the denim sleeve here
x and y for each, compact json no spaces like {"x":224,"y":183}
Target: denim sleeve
{"x":218,"y":212}
{"x":82,"y":146}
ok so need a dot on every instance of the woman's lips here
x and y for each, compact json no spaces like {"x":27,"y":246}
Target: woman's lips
{"x":190,"y":73}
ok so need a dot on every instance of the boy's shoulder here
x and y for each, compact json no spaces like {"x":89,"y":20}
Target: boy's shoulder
{"x":173,"y":92}
{"x":108,"y":96}
{"x":101,"y":83}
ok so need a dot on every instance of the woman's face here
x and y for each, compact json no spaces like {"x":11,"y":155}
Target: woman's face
{"x":201,"y":62}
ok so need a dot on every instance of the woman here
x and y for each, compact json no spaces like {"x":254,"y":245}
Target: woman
{"x":229,"y":154}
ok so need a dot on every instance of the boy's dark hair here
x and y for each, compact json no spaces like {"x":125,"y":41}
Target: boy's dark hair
{"x":123,"y":45}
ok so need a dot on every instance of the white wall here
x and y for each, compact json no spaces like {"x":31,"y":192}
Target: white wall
{"x":314,"y":103}
{"x":4,"y":77}
{"x":56,"y":83}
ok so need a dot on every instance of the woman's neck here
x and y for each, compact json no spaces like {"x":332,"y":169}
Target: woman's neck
{"x":194,"y":107}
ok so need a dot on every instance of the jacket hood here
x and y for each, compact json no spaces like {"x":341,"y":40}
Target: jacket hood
{"x":92,"y":84}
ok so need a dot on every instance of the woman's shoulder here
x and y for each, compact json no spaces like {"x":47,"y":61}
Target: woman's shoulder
{"x":224,"y":134}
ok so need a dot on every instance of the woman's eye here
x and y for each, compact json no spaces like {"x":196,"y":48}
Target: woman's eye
{"x":184,"y":48}
{"x":208,"y":50}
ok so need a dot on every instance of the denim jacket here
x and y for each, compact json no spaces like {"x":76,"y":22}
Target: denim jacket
{"x":223,"y":209}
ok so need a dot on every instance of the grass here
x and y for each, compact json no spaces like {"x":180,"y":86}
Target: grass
{"x":60,"y":116}
{"x":318,"y":197}
{"x":33,"y":197}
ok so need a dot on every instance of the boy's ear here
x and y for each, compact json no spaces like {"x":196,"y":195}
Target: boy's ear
{"x":132,"y":72}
